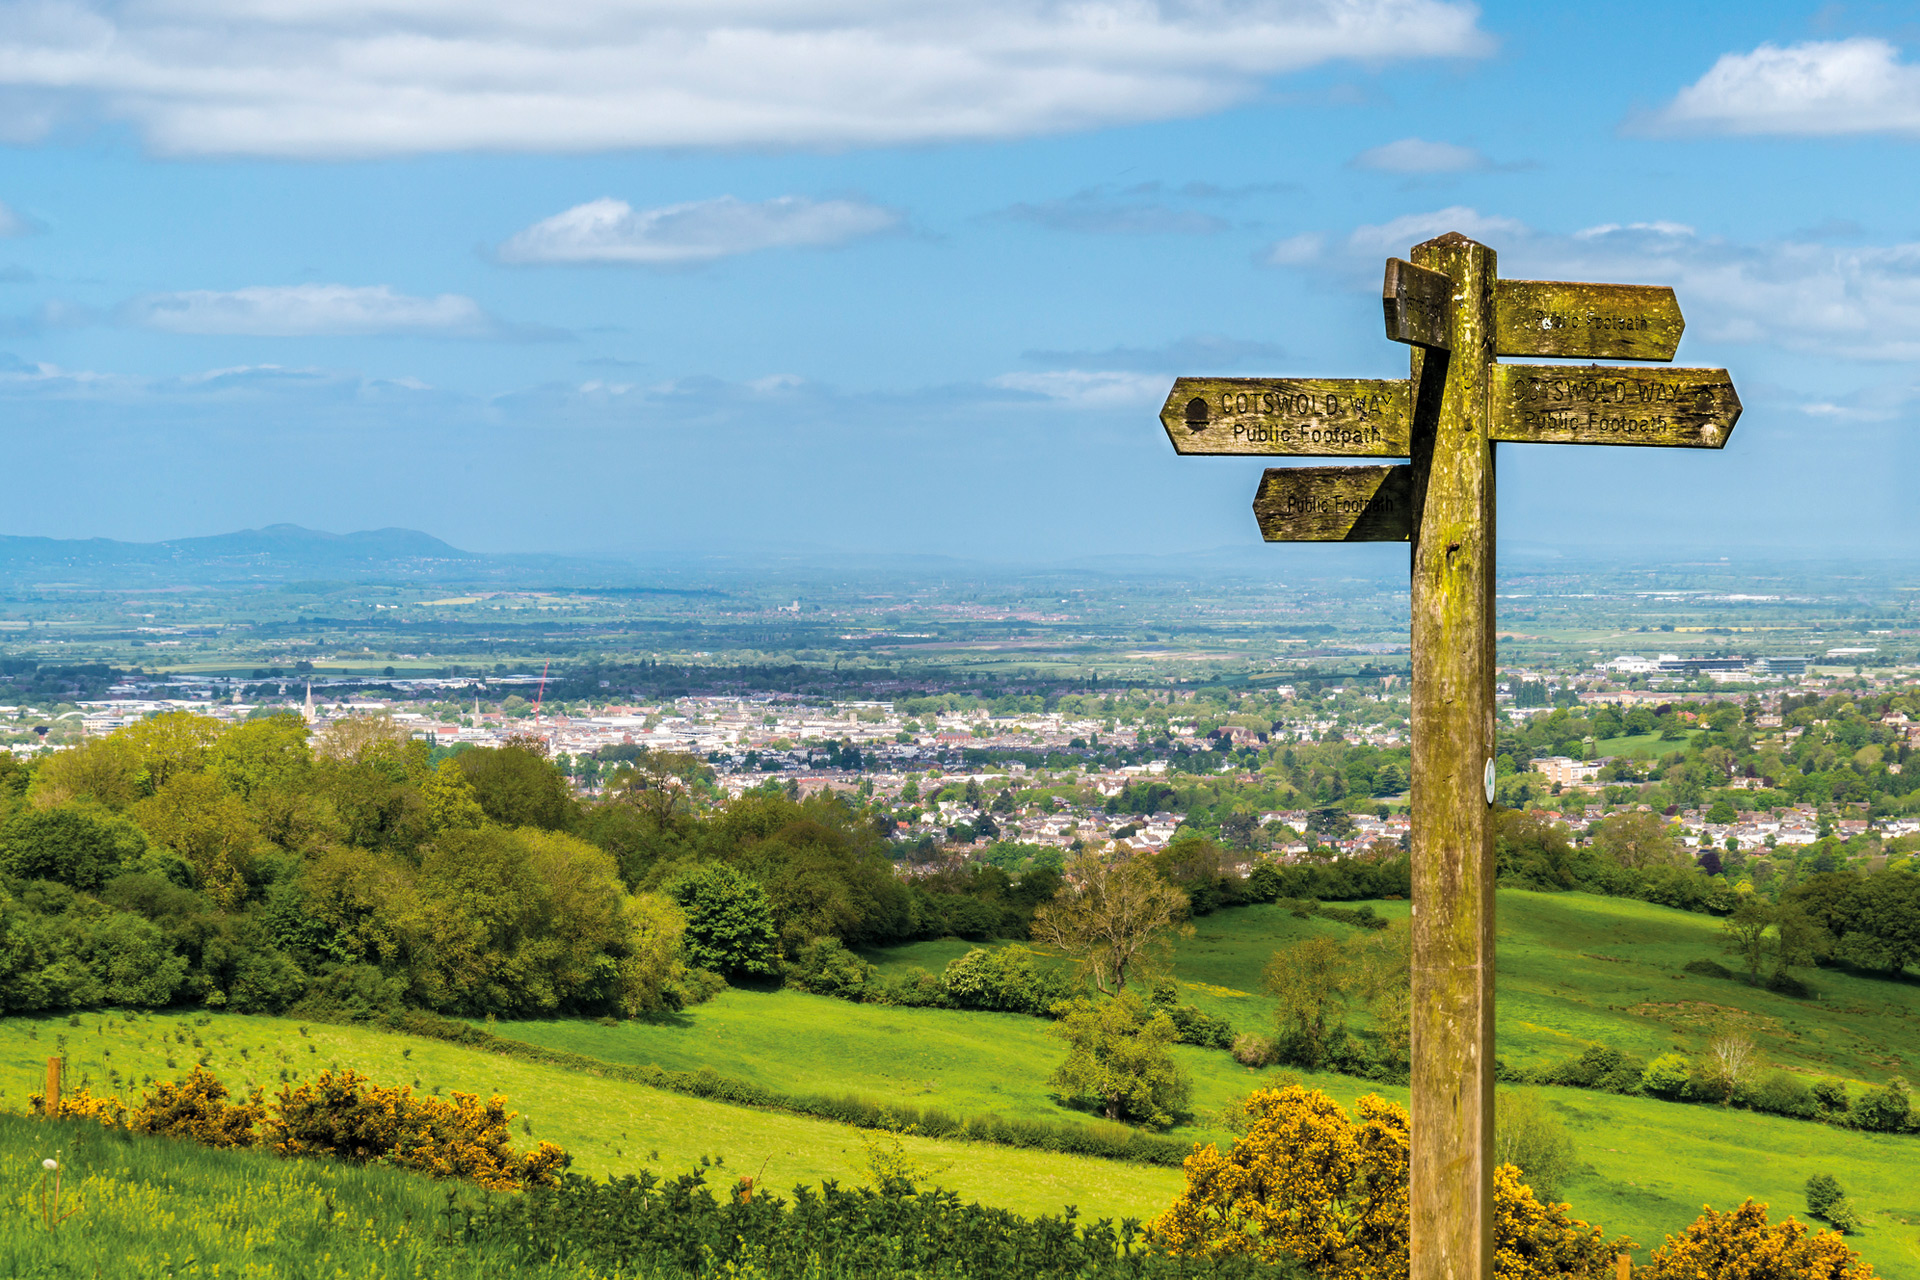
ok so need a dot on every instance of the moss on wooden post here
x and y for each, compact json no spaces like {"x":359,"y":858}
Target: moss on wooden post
{"x":1453,"y":683}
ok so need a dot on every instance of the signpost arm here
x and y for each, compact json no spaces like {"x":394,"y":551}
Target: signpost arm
{"x":1451,"y":1207}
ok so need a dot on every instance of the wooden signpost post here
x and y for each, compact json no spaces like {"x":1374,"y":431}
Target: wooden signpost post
{"x":1449,"y":305}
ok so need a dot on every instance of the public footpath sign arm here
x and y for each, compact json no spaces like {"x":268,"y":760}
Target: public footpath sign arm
{"x":1448,"y":304}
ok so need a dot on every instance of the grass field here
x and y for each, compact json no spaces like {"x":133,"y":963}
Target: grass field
{"x":964,"y":1063}
{"x":1574,"y":970}
{"x":1580,"y":969}
{"x":1643,"y":746}
{"x":151,"y":1207}
{"x":609,"y":1126}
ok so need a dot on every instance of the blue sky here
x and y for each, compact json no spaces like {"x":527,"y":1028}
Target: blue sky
{"x":657,"y":276}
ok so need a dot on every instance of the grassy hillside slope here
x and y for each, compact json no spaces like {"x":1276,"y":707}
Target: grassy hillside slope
{"x":609,"y":1126}
{"x":1577,"y":969}
{"x":154,"y":1207}
{"x":1574,"y":969}
{"x":963,"y":1063}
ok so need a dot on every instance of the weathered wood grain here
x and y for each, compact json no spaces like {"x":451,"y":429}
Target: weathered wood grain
{"x":1416,"y":302}
{"x":1300,"y":417}
{"x":1335,"y":504}
{"x":1586,"y":321}
{"x":1451,"y":1159}
{"x":1599,"y":404}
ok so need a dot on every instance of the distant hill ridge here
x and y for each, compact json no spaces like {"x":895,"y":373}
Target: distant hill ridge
{"x":289,"y":542}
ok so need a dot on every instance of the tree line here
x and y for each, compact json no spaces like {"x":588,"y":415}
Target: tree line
{"x":260,"y":867}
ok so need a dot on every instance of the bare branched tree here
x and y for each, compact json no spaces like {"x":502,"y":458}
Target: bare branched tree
{"x":1110,"y":914}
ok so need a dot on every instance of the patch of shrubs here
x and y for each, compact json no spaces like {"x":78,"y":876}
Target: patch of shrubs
{"x":644,"y":1225}
{"x":1361,"y":917}
{"x":1005,"y":980}
{"x":1194,"y":1025}
{"x":339,"y":1114}
{"x":1826,"y":1201}
{"x":1674,"y":1076}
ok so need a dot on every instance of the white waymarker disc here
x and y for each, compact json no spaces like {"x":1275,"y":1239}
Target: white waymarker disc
{"x":1489,"y":782}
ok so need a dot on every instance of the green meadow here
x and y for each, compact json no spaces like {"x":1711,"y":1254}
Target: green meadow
{"x":153,"y":1207}
{"x":1643,"y":746}
{"x":1575,"y":970}
{"x":608,"y":1125}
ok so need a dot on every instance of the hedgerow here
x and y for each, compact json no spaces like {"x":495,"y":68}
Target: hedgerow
{"x":642,"y":1224}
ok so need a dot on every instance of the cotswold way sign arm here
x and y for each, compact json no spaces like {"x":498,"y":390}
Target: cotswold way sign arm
{"x":1447,"y":303}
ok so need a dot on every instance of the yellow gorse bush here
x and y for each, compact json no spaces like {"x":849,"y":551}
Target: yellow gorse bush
{"x":343,"y":1114}
{"x":1308,"y":1183}
{"x":1739,"y":1245}
{"x":81,"y":1105}
{"x":197,"y":1108}
{"x":339,"y":1114}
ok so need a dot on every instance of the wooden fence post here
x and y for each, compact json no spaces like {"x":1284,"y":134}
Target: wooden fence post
{"x":52,"y":1106}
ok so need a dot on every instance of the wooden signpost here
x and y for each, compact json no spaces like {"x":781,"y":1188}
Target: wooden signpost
{"x":1449,"y":305}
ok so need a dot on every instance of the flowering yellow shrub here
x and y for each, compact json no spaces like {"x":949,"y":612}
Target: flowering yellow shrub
{"x":342,"y":1114}
{"x":1741,"y":1246}
{"x":1306,"y":1182}
{"x":197,"y":1108}
{"x":81,"y":1105}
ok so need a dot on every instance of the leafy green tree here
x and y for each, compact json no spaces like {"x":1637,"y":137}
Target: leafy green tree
{"x":515,"y":922}
{"x":1638,"y":841}
{"x":82,"y":845}
{"x":171,"y":744}
{"x":824,"y":870}
{"x":1667,"y":1075}
{"x":1307,"y":981}
{"x":729,"y":921}
{"x":1534,"y":850}
{"x":208,"y":826}
{"x":1119,"y":1056}
{"x":269,"y":753}
{"x":1887,"y":908}
{"x":449,"y":799}
{"x":1529,"y":1136}
{"x":106,"y":770}
{"x":1885,"y":1109}
{"x":651,"y":971}
{"x":1824,"y":1195}
{"x":1744,"y":933}
{"x":517,"y":786}
{"x":659,"y":783}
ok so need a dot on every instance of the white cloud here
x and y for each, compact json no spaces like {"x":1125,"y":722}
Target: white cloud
{"x":1822,"y":87}
{"x":1801,"y":294}
{"x":381,"y":77}
{"x":1409,"y":229}
{"x":1088,"y":388}
{"x":1846,"y":301}
{"x":608,"y":230}
{"x":1416,"y":155}
{"x":1296,"y":251}
{"x":309,"y":310}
